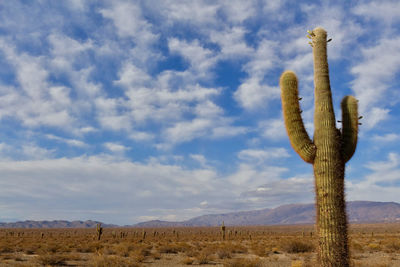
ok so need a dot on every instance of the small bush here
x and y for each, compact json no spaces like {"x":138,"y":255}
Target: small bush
{"x":296,"y":246}
{"x":374,"y":247}
{"x":223,"y":254}
{"x":51,"y":259}
{"x":297,"y":263}
{"x":171,"y":249}
{"x":188,"y":261}
{"x":243,"y":263}
{"x":107,"y":261}
{"x":204,"y":258}
{"x":393,"y":246}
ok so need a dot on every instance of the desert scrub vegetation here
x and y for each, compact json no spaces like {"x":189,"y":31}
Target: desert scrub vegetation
{"x":297,"y":246}
{"x":370,"y":245}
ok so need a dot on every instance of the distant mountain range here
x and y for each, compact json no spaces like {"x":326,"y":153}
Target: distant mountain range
{"x":358,"y":211}
{"x":54,"y":224}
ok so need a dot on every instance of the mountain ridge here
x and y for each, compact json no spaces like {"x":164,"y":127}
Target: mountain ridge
{"x":54,"y":224}
{"x":358,"y":212}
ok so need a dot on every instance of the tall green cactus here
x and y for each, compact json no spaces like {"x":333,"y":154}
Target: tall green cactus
{"x":328,"y":152}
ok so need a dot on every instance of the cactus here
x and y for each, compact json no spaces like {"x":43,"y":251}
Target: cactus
{"x":144,"y":235}
{"x":99,"y":231}
{"x":329,"y":150}
{"x":223,"y":228}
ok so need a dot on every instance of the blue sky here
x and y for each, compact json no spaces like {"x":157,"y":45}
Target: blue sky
{"x":125,"y":111}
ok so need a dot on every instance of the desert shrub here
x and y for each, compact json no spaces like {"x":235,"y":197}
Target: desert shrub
{"x":392,"y":246}
{"x":31,"y":249}
{"x":89,"y":247}
{"x":107,"y":261}
{"x":296,"y":263}
{"x":296,"y":246}
{"x":7,"y":248}
{"x":224,"y":254}
{"x":259,"y":250}
{"x":139,"y":254}
{"x":155,"y":255}
{"x":51,"y":259}
{"x":188,"y":261}
{"x":142,"y":250}
{"x":169,"y":248}
{"x":235,"y":248}
{"x":357,"y":247}
{"x":374,"y":247}
{"x":241,"y":262}
{"x":192,"y":253}
{"x":204,"y":258}
{"x":122,"y":249}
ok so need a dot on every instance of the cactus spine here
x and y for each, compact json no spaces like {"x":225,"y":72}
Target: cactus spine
{"x":328,"y":151}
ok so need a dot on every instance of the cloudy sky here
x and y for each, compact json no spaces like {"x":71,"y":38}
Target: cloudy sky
{"x":125,"y":111}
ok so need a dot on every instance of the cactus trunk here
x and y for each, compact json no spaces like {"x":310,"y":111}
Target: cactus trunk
{"x":328,"y":151}
{"x":328,"y":165}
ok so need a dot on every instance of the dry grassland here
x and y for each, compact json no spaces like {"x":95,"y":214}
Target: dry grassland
{"x":372,"y":245}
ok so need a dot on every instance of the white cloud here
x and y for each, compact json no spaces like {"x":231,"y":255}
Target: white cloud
{"x":85,"y":182}
{"x":238,"y":11}
{"x":114,"y":147}
{"x":254,"y":92}
{"x":77,"y":4}
{"x":200,"y":127}
{"x":188,"y":130}
{"x":248,"y":177}
{"x":71,"y":142}
{"x":85,"y":130}
{"x":39,"y":188}
{"x":386,"y":11}
{"x":232,"y":43}
{"x":141,"y":136}
{"x":382,"y":184}
{"x":272,"y":6}
{"x":129,"y":22}
{"x":31,"y":151}
{"x":208,"y":109}
{"x":200,"y":59}
{"x":273,"y":129}
{"x":258,"y":156}
{"x":286,"y":191}
{"x":63,"y":47}
{"x":200,"y":159}
{"x":334,"y":19}
{"x":389,"y":137}
{"x":131,"y":75}
{"x":228,"y":131}
{"x":35,"y":100}
{"x":382,"y":166}
{"x":373,"y":76}
{"x":182,"y":11}
{"x":158,"y":99}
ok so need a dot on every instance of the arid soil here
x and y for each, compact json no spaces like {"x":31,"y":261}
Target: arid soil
{"x":375,"y":245}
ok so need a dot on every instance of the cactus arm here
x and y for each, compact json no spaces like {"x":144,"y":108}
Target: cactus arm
{"x":350,"y":127}
{"x":298,"y":136}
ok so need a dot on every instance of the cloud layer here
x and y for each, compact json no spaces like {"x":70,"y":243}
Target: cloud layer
{"x":147,"y":109}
